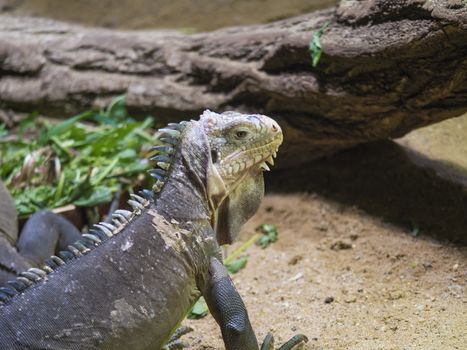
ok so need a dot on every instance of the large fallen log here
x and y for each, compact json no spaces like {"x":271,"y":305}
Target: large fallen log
{"x":386,"y":68}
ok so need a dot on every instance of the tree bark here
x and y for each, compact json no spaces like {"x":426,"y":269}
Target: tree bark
{"x":387,"y":67}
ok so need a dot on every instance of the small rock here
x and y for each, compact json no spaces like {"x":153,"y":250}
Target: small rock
{"x":295,"y":260}
{"x":455,"y":267}
{"x":350,"y":299}
{"x":395,"y":295}
{"x":296,"y":277}
{"x":328,"y":300}
{"x":340,"y":245}
{"x":427,"y":265}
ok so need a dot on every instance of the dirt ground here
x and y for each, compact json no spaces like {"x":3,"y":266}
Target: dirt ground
{"x":392,"y":286}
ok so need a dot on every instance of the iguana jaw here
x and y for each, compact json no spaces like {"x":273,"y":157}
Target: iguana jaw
{"x":249,"y":160}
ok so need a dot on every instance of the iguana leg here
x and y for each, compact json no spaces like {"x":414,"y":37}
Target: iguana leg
{"x":228,"y":309}
{"x":43,"y":234}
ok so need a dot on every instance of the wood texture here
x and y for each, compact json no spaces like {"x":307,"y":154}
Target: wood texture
{"x":387,"y":67}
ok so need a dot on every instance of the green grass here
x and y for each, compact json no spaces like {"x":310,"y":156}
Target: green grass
{"x":82,"y":160}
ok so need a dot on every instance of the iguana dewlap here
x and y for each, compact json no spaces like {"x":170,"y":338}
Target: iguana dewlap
{"x":128,"y":285}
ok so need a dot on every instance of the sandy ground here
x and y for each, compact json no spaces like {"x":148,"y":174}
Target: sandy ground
{"x":390,"y":290}
{"x":395,"y":283}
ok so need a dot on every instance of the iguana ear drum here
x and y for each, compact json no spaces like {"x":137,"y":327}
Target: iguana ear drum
{"x":238,"y":208}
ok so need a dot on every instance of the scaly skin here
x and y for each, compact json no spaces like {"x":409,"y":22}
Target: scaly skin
{"x":129,"y":284}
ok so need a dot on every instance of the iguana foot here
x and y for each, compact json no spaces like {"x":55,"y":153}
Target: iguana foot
{"x":295,"y":342}
{"x":174,"y":341}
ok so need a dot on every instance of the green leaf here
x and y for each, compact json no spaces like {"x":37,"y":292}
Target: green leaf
{"x":199,"y":310}
{"x":94,"y":196}
{"x":269,"y":235}
{"x":236,"y":265}
{"x":3,"y":130}
{"x":315,"y":44}
{"x":27,"y":123}
{"x":117,"y":109}
{"x":61,"y":128}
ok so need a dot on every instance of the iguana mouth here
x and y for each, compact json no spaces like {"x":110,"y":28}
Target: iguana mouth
{"x":252,"y":158}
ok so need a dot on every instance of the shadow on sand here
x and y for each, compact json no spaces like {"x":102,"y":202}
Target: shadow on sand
{"x":380,"y":179}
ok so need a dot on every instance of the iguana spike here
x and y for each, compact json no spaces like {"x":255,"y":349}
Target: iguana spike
{"x":118,"y":219}
{"x":141,"y":200}
{"x":108,"y":225}
{"x":24,"y":280}
{"x":155,"y":174}
{"x":149,"y":195}
{"x":159,"y":174}
{"x":98,"y":233}
{"x":91,"y":237}
{"x":135,"y":205}
{"x":169,"y":140}
{"x":163,"y":165}
{"x":57,"y":260}
{"x":87,"y":243}
{"x":50,"y":263}
{"x":74,"y":250}
{"x":47,"y":268}
{"x":170,"y":132}
{"x":81,"y":247}
{"x":66,"y":255}
{"x":104,"y":229}
{"x":125,"y":213}
{"x":177,"y":126}
{"x":161,"y":158}
{"x":18,"y":285}
{"x":37,"y":271}
{"x":30,"y":276}
{"x":163,"y":149}
{"x":8,"y":291}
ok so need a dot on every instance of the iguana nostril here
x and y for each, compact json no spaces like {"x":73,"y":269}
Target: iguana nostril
{"x":275,"y":127}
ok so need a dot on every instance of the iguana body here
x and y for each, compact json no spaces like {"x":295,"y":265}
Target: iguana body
{"x":128,"y":285}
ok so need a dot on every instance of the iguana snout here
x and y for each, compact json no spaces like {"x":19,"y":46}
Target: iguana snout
{"x":241,"y":143}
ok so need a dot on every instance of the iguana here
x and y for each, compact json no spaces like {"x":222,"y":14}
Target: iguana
{"x":129,"y":284}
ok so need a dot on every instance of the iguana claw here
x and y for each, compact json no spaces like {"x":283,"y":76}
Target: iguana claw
{"x":174,"y":341}
{"x":296,"y":340}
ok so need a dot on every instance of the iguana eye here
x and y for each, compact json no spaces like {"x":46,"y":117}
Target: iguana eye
{"x":241,"y":134}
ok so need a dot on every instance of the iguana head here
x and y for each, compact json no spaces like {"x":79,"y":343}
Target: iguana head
{"x":220,"y":157}
{"x":240,"y":145}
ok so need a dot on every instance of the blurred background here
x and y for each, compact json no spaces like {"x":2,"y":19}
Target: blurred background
{"x":200,"y":15}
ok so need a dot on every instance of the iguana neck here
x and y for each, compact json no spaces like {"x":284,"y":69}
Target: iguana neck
{"x":181,"y":198}
{"x":184,"y":196}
